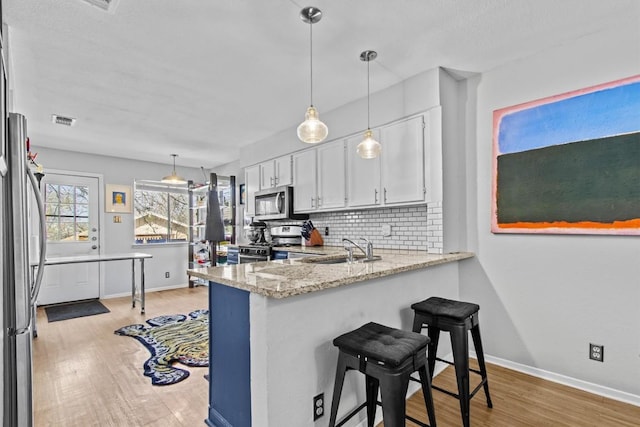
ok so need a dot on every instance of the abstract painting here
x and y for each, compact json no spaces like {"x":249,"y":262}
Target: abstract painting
{"x":570,"y":163}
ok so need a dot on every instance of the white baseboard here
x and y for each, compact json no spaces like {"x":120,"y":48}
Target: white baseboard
{"x":147,"y":290}
{"x":599,"y":390}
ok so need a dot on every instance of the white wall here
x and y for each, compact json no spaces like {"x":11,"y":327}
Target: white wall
{"x":544,"y":298}
{"x":118,"y":238}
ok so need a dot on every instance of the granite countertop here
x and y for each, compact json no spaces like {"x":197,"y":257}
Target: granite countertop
{"x":285,"y":278}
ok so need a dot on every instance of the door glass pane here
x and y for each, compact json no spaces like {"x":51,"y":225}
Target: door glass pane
{"x":67,"y":212}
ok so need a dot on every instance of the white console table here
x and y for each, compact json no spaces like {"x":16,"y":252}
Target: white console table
{"x":136,"y":294}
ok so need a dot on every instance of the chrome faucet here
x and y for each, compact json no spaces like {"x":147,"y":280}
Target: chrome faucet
{"x":368,"y":252}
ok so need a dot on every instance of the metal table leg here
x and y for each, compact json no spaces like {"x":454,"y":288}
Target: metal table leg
{"x":133,"y":283}
{"x":141,"y":285}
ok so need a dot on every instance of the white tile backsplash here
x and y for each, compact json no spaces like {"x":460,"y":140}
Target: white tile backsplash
{"x":413,"y":228}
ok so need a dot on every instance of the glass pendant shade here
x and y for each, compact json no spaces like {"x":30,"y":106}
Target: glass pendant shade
{"x":312,"y":130}
{"x":174,"y":178}
{"x":369,"y":148}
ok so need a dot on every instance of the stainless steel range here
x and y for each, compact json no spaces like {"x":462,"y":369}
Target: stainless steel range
{"x":254,"y":252}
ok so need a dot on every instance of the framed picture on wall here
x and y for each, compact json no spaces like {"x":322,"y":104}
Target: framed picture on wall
{"x":118,"y":198}
{"x":241,"y":199}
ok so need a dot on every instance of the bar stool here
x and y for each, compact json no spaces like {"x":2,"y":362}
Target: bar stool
{"x":387,"y":357}
{"x":457,"y":318}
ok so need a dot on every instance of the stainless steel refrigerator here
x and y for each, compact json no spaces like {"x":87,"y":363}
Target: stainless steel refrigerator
{"x":19,"y":286}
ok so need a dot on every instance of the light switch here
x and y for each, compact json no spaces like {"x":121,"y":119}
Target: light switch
{"x":117,"y":219}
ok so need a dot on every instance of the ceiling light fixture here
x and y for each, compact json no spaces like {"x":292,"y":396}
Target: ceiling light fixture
{"x":174,"y":178}
{"x":369,"y":148}
{"x":312,"y":130}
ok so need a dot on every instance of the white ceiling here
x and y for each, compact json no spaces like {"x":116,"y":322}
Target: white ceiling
{"x":203,"y":78}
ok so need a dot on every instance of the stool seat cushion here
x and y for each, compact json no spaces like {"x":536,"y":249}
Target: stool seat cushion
{"x":437,"y":306}
{"x":382,"y":343}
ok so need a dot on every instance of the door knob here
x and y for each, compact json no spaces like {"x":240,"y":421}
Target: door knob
{"x":94,"y":247}
{"x":94,"y":229}
{"x":94,"y":238}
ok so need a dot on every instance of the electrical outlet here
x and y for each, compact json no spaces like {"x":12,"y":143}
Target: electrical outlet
{"x":318,"y":406}
{"x":596,"y":352}
{"x":326,"y":231}
{"x":166,"y":275}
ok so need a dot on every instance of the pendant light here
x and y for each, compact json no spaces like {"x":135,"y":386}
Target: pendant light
{"x":369,"y":148}
{"x":312,"y":130}
{"x":174,"y":178}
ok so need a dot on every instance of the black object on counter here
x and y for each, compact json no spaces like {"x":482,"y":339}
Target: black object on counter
{"x":307,"y":228}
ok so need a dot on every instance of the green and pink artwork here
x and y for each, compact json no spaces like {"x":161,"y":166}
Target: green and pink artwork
{"x":569,"y":164}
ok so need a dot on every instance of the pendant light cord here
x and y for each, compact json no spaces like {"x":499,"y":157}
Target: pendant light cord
{"x":311,"y":60}
{"x":368,"y":98}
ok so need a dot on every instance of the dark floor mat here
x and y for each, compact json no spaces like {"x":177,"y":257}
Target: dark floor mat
{"x":72,"y":310}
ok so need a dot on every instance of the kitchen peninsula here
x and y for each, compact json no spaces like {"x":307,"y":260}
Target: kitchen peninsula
{"x":272,"y":326}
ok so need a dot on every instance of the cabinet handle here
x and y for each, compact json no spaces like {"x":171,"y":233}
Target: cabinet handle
{"x":385,"y":194}
{"x":319,"y":201}
{"x":375,"y":196}
{"x":271,"y":181}
{"x":276,"y":180}
{"x":312,"y":200}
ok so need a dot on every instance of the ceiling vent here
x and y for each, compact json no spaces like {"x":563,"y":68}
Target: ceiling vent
{"x":106,"y":5}
{"x":61,"y":120}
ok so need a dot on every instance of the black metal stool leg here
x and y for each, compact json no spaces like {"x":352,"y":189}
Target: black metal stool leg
{"x":372,"y":398}
{"x":432,"y":348}
{"x":341,"y":369}
{"x":477,"y":343}
{"x":393,"y":390}
{"x":425,"y":379}
{"x":460,"y":345}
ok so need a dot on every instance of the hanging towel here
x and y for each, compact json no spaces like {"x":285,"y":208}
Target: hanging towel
{"x":214,"y":231}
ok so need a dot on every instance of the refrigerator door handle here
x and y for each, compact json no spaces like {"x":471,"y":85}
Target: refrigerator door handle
{"x":35,"y":287}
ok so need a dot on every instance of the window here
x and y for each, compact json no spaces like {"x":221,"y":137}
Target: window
{"x":161,"y":213}
{"x":67,"y":212}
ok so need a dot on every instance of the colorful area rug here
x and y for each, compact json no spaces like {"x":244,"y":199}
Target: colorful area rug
{"x":170,"y":339}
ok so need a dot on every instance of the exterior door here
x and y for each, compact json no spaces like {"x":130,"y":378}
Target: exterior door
{"x":72,"y":214}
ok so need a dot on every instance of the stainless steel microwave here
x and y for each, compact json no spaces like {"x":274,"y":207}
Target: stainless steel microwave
{"x":276,"y":203}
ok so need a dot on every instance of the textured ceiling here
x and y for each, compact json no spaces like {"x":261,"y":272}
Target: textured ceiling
{"x":203,"y":78}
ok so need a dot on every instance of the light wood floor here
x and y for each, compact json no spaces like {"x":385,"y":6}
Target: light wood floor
{"x":85,"y":375}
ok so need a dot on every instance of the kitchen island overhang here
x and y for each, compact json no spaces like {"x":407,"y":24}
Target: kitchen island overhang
{"x":273,"y":323}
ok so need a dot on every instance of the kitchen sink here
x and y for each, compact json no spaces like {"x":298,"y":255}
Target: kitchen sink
{"x":342,"y":260}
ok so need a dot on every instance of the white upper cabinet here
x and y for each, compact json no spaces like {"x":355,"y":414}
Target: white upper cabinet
{"x":252,"y":184}
{"x":363,"y":175}
{"x":402,"y":162}
{"x":275,"y":173}
{"x":304,"y":181}
{"x":331,"y":176}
